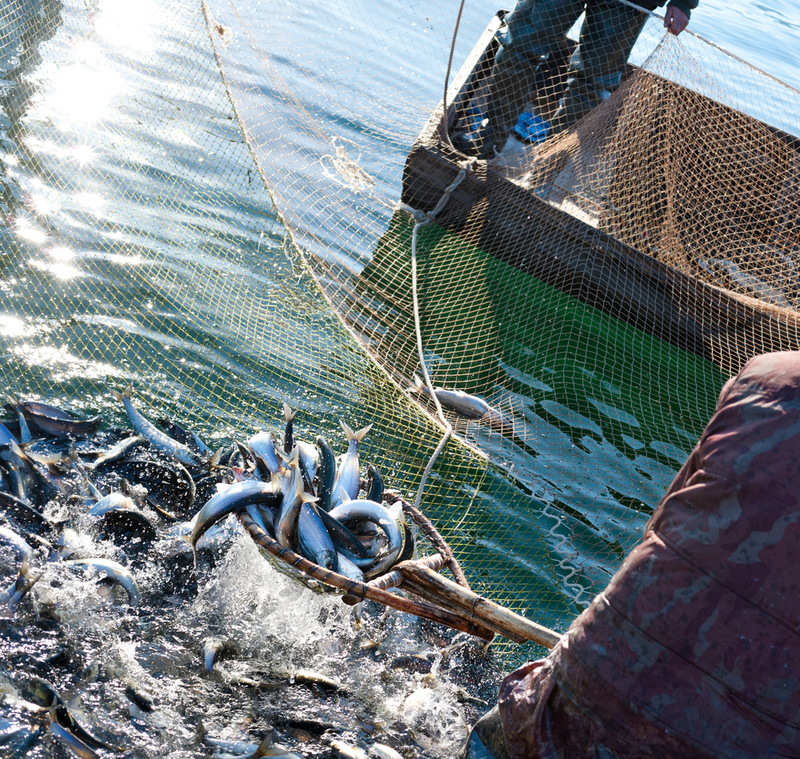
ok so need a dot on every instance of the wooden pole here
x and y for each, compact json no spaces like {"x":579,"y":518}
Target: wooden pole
{"x":431,"y":585}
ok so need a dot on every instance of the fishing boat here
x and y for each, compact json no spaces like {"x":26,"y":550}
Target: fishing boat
{"x":566,"y":212}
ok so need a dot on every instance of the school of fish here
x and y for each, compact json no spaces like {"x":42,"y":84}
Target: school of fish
{"x":162,"y":482}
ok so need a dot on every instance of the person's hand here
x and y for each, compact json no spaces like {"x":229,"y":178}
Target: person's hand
{"x":675,"y":20}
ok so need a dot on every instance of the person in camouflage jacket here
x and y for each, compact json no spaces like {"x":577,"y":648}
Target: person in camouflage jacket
{"x":693,"y":649}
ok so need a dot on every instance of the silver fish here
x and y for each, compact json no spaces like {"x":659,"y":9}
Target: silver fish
{"x":309,"y":458}
{"x":24,"y":580}
{"x":78,"y":747}
{"x":391,"y":526}
{"x":466,"y":405}
{"x":263,"y":446}
{"x":348,"y":569}
{"x":113,"y":571}
{"x":346,"y":751}
{"x":155,"y":436}
{"x":263,"y":520}
{"x":213,"y":648}
{"x":314,"y":541}
{"x":237,"y":496}
{"x":118,"y":451}
{"x":293,"y":498}
{"x":348,"y":476}
{"x":374,"y":512}
{"x":111,"y":502}
{"x":288,"y":436}
{"x":52,"y":420}
{"x":382,"y":751}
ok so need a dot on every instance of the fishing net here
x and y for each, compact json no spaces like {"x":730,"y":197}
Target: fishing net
{"x":210,"y":203}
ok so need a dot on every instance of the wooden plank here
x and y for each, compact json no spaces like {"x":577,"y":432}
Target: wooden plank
{"x":519,"y":228}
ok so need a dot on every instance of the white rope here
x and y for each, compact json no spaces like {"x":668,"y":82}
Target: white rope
{"x":422,"y":219}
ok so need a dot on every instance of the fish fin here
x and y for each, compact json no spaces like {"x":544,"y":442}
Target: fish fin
{"x":362,"y":433}
{"x":263,"y":747}
{"x":418,"y":386}
{"x":126,"y":393}
{"x":288,"y":414}
{"x":188,"y":539}
{"x":306,"y":497}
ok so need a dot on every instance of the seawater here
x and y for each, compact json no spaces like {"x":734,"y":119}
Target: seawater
{"x":96,"y":188}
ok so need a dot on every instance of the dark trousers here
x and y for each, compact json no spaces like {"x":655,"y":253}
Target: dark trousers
{"x":538,"y":27}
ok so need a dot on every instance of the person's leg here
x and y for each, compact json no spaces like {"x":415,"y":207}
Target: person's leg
{"x":608,"y":35}
{"x":534,"y":29}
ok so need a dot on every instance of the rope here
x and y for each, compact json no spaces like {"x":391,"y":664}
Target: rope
{"x":422,"y":219}
{"x":721,"y":49}
{"x":450,"y":65}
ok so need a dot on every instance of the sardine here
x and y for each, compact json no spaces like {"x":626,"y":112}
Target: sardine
{"x":288,"y":436}
{"x":118,"y":451}
{"x":59,"y":715}
{"x":155,"y":436}
{"x":327,"y":474}
{"x":374,"y":512}
{"x":113,"y":571}
{"x":374,"y":484}
{"x":391,"y":526}
{"x":348,"y":476}
{"x":265,"y":521}
{"x":76,"y":745}
{"x":263,"y":446}
{"x":24,"y":580}
{"x":110,"y":502}
{"x":348,"y":569}
{"x":341,"y":535}
{"x":382,"y":751}
{"x":466,"y":405}
{"x":346,"y":751}
{"x":294,"y":496}
{"x":52,"y":420}
{"x":309,"y":461}
{"x":213,"y":648}
{"x":187,"y":437}
{"x":313,"y":540}
{"x":237,"y":496}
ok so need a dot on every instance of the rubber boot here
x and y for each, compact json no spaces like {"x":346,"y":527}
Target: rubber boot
{"x":508,"y":91}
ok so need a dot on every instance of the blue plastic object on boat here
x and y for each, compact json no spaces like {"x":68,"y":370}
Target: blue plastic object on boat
{"x":531,"y":128}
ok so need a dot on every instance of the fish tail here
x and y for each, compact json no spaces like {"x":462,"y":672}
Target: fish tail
{"x":306,"y":497}
{"x":417,"y":387}
{"x":288,"y":414}
{"x":188,"y":539}
{"x":126,"y":393}
{"x":362,"y":433}
{"x":359,"y":435}
{"x":264,"y":748}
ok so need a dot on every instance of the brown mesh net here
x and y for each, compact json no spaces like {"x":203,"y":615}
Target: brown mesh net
{"x":594,"y":289}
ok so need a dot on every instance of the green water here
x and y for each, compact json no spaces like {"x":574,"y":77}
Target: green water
{"x":142,"y":246}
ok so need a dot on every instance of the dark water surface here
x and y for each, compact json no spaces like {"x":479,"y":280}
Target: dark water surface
{"x":140,"y":245}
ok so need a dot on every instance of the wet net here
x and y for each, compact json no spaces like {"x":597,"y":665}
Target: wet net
{"x":218,"y":203}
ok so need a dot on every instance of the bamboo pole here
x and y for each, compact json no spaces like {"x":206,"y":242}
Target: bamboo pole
{"x":431,"y":585}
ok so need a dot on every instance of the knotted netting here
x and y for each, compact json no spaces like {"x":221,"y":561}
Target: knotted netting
{"x":205,"y":200}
